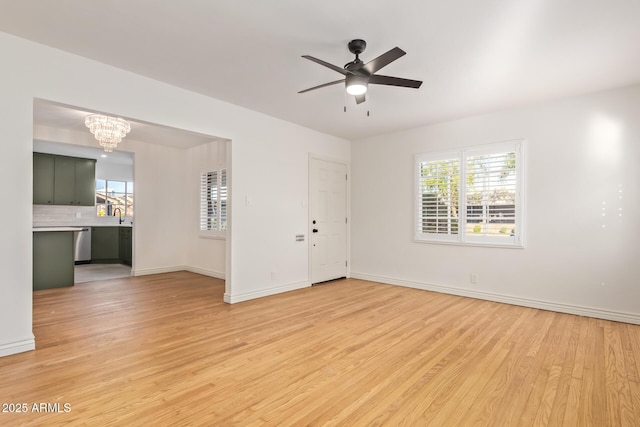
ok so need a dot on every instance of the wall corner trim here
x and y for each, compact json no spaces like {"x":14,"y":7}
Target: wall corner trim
{"x":20,"y":346}
{"x":507,"y":299}
{"x":232,"y":299}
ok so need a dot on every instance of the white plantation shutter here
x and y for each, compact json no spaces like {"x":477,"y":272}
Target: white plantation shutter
{"x":491,"y":194}
{"x":472,"y":196}
{"x":223,"y":200}
{"x":213,"y":201}
{"x":208,"y":198}
{"x":438,"y":183}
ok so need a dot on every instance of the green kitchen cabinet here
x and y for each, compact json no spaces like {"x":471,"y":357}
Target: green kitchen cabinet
{"x":53,"y":265}
{"x":85,"y":182}
{"x":125,"y":245}
{"x":63,"y":180}
{"x":43,"y":170}
{"x":105,"y":244}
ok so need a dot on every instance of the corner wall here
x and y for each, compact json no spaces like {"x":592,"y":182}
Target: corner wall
{"x":582,"y":162}
{"x":205,"y":255}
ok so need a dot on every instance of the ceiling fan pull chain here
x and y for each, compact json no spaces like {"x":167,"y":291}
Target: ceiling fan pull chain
{"x":346,"y":100}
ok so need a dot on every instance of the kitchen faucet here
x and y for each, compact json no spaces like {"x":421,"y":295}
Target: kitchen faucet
{"x":120,"y":220}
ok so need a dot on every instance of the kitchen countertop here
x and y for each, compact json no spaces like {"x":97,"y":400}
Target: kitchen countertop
{"x":38,"y":229}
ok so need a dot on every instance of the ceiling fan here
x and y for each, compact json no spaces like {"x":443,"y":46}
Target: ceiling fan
{"x":359,"y":75}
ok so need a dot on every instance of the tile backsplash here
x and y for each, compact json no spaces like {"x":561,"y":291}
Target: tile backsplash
{"x":55,"y":216}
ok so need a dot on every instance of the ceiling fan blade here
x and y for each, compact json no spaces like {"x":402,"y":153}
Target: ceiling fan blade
{"x":383,"y":60}
{"x":394,"y":81}
{"x":326,"y":64}
{"x":360,"y":99}
{"x":323,"y":85}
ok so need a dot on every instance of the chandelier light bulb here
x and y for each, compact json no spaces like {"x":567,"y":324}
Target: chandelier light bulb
{"x":108,"y":131}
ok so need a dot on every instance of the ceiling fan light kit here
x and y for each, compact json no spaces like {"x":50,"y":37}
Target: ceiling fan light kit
{"x":358,"y":75}
{"x":356,"y":85}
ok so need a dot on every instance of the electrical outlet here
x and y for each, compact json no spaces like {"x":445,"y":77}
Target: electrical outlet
{"x":273,"y":275}
{"x":78,"y":215}
{"x":474,"y":278}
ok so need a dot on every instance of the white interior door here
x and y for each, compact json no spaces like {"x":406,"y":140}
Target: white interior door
{"x":328,"y":215}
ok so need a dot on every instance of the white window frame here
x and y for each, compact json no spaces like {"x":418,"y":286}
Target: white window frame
{"x":220,"y":229}
{"x":463,"y":238}
{"x":127,"y":184}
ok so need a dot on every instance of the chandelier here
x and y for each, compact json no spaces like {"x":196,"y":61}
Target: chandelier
{"x":109,"y":131}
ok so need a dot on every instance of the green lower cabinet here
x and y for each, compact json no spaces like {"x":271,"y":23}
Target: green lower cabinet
{"x":125,"y":245}
{"x":52,"y":259}
{"x":105,"y":244}
{"x":111,"y":245}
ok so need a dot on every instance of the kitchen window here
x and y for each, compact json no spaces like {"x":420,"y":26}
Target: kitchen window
{"x":213,"y":203}
{"x":471,"y":196}
{"x":112,"y":195}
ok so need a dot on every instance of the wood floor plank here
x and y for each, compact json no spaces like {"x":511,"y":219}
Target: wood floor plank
{"x":165,"y":349}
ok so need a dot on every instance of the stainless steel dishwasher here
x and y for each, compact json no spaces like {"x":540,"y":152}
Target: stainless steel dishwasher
{"x":82,"y":245}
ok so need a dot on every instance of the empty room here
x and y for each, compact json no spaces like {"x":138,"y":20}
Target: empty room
{"x":331,"y":213}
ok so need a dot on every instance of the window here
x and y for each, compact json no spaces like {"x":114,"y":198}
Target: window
{"x":213,"y":201}
{"x":471,"y":196}
{"x":112,"y":195}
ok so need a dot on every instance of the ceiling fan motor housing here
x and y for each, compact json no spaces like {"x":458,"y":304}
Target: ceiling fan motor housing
{"x":357,"y":46}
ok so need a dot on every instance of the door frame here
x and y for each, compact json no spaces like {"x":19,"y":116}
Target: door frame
{"x":347,"y":164}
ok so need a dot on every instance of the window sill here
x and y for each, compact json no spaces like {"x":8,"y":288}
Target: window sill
{"x":473,"y":244}
{"x":213,"y":236}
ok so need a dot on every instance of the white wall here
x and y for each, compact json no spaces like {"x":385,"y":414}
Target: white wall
{"x":272,"y":175}
{"x":582,"y":152}
{"x":269,"y":163}
{"x":113,"y":171}
{"x":205,"y":255}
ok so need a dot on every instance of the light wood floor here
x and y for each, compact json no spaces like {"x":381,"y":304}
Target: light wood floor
{"x":165,"y":350}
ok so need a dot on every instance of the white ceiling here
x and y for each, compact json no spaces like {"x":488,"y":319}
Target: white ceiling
{"x":53,"y":115}
{"x":474,"y":56}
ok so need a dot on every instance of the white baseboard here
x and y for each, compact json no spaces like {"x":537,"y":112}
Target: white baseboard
{"x":173,"y":269}
{"x":232,"y":299}
{"x":20,"y":346}
{"x":160,"y":270}
{"x":525,"y":302}
{"x":206,"y":272}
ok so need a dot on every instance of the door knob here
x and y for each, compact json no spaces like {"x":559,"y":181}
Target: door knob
{"x":315,"y":230}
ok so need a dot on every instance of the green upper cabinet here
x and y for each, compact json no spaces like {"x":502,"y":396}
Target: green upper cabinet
{"x":62,"y":180}
{"x":43,"y":167}
{"x":85,"y":182}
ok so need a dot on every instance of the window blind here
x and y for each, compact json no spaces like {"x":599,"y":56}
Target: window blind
{"x":208,"y":200}
{"x":471,"y":196}
{"x":491,"y":194}
{"x":439,"y":181}
{"x":213,"y":201}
